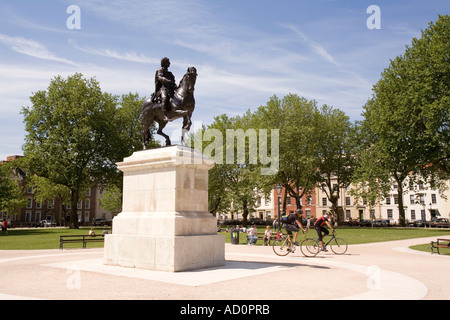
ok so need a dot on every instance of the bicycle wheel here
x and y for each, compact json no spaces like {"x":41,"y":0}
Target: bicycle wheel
{"x":281,"y":246}
{"x":338,"y":245}
{"x":309,"y":247}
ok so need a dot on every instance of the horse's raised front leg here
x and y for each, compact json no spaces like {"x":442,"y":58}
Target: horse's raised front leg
{"x":162,"y":124}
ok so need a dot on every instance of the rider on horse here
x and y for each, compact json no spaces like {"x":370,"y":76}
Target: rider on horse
{"x":169,"y":102}
{"x":164,"y":86}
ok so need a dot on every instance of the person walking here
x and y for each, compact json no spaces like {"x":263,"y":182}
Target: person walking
{"x":5,"y":227}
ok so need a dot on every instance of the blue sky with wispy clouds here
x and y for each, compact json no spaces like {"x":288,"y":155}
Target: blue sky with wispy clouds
{"x":245,"y":51}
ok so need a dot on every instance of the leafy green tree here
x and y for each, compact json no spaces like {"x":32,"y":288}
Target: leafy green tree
{"x":45,"y":190}
{"x":293,"y":116}
{"x":428,"y":85}
{"x":336,"y":143}
{"x":234,"y":182}
{"x":76,"y":134}
{"x":405,"y":127}
{"x":112,"y":199}
{"x":11,"y":194}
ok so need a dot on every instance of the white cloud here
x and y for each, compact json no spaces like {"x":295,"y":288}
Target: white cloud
{"x":31,"y":48}
{"x":317,"y":47}
{"x":127,"y":56}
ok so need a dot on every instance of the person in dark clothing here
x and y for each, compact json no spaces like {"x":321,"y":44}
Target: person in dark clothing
{"x":293,"y":224}
{"x":319,"y":226}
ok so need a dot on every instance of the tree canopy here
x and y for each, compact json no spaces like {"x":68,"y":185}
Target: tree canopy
{"x":76,"y":133}
{"x":405,"y":127}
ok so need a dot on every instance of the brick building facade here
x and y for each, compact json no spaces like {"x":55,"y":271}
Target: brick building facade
{"x":52,"y":210}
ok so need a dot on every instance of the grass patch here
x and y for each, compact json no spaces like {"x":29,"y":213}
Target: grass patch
{"x":368,"y":235}
{"x":48,"y":238}
{"x":44,"y":238}
{"x":427,"y":248}
{"x":361,"y":235}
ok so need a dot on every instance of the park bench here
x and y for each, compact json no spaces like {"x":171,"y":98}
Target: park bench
{"x":79,"y":239}
{"x":439,"y":244}
{"x":261,"y":237}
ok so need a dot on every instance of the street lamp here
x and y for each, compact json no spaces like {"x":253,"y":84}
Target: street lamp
{"x":278,"y":190}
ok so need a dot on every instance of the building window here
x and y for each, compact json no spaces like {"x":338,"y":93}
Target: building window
{"x":433,"y":198}
{"x":28,"y":216}
{"x":389,"y":214}
{"x":51,"y":204}
{"x":422,"y":199}
{"x":388,"y":200}
{"x":411,"y":199}
{"x":324,"y":202}
{"x":30,"y":203}
{"x":413,"y":214}
{"x":79,"y":204}
{"x":395,"y":198}
{"x":347,"y":201}
{"x":423,"y":215}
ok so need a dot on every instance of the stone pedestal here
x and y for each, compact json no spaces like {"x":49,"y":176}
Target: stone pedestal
{"x":165,"y":224}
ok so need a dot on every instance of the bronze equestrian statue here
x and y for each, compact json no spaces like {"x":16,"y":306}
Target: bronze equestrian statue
{"x":169,"y":102}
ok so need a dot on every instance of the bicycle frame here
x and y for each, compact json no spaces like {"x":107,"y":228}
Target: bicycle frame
{"x":337,"y":245}
{"x":308,"y":246}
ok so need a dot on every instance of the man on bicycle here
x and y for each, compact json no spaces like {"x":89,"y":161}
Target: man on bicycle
{"x":318,"y":225}
{"x":293,"y":224}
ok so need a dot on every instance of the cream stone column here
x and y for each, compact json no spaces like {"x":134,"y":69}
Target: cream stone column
{"x":165,"y":224}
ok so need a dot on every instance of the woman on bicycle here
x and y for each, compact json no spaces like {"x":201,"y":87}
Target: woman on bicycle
{"x":318,"y":225}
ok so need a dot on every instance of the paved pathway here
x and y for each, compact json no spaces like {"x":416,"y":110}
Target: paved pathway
{"x":386,"y":270}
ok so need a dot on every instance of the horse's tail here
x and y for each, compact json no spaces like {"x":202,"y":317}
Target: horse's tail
{"x":148,"y":118}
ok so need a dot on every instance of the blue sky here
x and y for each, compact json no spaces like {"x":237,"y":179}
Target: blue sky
{"x":245,"y":51}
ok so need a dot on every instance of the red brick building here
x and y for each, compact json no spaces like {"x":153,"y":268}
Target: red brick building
{"x":52,"y":210}
{"x":308,"y":203}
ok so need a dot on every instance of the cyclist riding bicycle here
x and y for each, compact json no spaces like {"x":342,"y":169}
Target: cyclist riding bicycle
{"x":292,"y":223}
{"x":318,"y":225}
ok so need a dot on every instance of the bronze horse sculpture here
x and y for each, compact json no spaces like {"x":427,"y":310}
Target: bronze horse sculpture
{"x":182,"y":105}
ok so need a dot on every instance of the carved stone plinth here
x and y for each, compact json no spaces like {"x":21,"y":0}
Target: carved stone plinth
{"x":165,"y":224}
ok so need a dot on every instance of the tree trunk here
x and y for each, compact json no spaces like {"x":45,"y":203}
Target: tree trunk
{"x":244,"y":213}
{"x":401,"y":209}
{"x":74,"y":195}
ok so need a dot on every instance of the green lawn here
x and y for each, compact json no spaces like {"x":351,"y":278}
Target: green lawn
{"x":365,"y":235}
{"x":427,"y":248}
{"x":43,"y":238}
{"x":48,"y":238}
